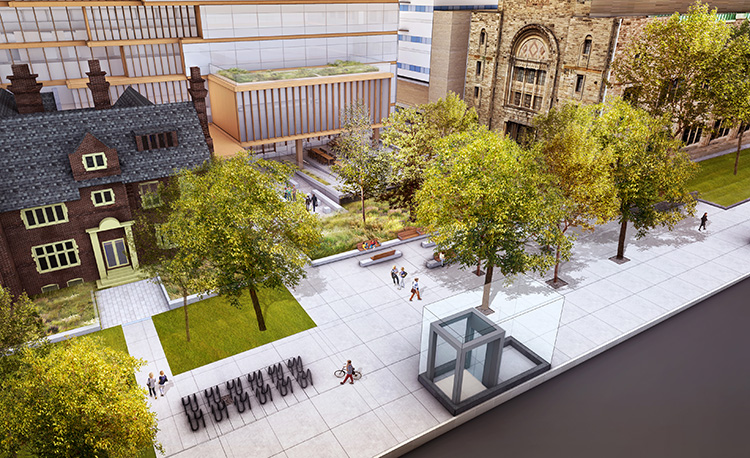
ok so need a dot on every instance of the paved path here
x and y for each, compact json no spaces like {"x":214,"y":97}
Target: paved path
{"x":674,"y":391}
{"x":131,"y":302}
{"x":361,"y":316}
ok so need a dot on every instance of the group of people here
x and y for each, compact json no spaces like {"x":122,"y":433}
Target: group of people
{"x":152,"y":382}
{"x":399,"y":279}
{"x":290,"y":194}
{"x":311,"y":199}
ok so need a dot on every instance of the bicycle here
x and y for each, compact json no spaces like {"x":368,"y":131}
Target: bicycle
{"x":342,"y":372}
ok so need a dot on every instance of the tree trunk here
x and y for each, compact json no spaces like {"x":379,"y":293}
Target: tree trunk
{"x":258,"y":311}
{"x":621,"y":242}
{"x":479,"y":268}
{"x":362,"y":198}
{"x":185,"y":307}
{"x":739,"y":146}
{"x":557,"y":263}
{"x":487,"y":286}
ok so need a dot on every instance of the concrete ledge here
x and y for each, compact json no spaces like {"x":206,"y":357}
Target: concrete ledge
{"x":369,"y":261}
{"x":177,"y":303}
{"x":385,"y":246}
{"x":324,"y":200}
{"x":421,"y":439}
{"x":77,"y":332}
{"x":432,"y":264}
{"x":328,"y":191}
{"x":428,"y":244}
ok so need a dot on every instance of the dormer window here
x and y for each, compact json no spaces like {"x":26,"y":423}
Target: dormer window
{"x":156,"y":141}
{"x":96,"y":161}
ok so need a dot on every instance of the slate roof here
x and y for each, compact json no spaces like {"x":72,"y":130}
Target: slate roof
{"x":34,"y":149}
{"x":8,"y":103}
{"x":131,"y":98}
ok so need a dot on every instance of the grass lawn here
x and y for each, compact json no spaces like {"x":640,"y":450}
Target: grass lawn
{"x":344,"y":230}
{"x":66,"y":308}
{"x":111,"y":337}
{"x":716,"y":182}
{"x":218,"y":330}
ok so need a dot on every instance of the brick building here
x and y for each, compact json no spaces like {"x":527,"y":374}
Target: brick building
{"x":529,"y":55}
{"x":72,"y":179}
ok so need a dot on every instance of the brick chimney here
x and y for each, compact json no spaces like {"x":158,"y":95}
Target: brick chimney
{"x":26,"y":90}
{"x":98,"y":85}
{"x":198,"y":92}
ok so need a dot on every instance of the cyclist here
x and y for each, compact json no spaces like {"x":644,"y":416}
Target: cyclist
{"x":349,"y":372}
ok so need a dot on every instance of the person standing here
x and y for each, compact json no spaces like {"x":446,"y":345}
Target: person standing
{"x":704,"y":219}
{"x":415,"y":289}
{"x":151,"y":384}
{"x":314,"y":201}
{"x":294,"y":193}
{"x":402,"y":274}
{"x":349,"y":373}
{"x":162,"y":382}
{"x":394,"y":275}
{"x":307,"y":202}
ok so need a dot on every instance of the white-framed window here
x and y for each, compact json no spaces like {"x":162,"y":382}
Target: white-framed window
{"x":150,"y":194}
{"x":44,"y":216}
{"x":115,"y":253}
{"x":94,"y":161}
{"x":51,"y":287}
{"x":103,"y":197}
{"x":55,"y":256}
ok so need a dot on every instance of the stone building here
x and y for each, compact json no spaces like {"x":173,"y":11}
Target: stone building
{"x":530,"y":55}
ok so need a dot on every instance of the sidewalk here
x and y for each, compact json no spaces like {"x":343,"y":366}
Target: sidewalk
{"x":361,"y":316}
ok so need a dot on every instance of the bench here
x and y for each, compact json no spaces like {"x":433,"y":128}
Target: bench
{"x":321,"y":156}
{"x":380,"y":257}
{"x":372,"y":244}
{"x":435,"y":261}
{"x":428,"y":244}
{"x":408,"y":233}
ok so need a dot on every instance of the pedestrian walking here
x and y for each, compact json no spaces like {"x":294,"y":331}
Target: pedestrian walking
{"x":402,"y":274}
{"x":287,"y":193}
{"x":394,"y":275}
{"x":415,"y":289}
{"x":704,"y":219}
{"x":314,"y":201}
{"x":162,"y":381}
{"x":294,"y":193}
{"x":151,"y":384}
{"x":349,"y":372}
{"x":307,"y":202}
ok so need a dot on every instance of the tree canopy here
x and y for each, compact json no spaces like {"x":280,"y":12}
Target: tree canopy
{"x":232,"y":217}
{"x":413,"y":134}
{"x":578,"y":168}
{"x":670,"y":68}
{"x":75,"y":399}
{"x":649,"y":169}
{"x":362,"y":167}
{"x":483,"y":199}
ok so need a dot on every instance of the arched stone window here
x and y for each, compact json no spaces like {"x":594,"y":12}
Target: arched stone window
{"x":586,"y":49}
{"x":482,"y":37}
{"x":529,"y":79}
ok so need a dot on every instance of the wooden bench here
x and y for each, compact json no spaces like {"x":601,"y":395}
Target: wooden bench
{"x":409,"y":232}
{"x":373,"y":244}
{"x":380,"y":257}
{"x":322,"y":157}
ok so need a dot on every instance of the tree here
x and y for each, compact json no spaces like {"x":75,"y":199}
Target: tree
{"x":670,"y":67}
{"x":413,"y":134}
{"x":160,"y":256}
{"x":483,"y":198}
{"x":731,"y":87}
{"x":233,"y":218}
{"x":20,"y":325}
{"x":649,"y":168}
{"x":578,"y":167}
{"x":362,"y":167}
{"x":75,"y":399}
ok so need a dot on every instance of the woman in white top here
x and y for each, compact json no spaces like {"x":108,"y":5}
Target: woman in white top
{"x":415,"y":289}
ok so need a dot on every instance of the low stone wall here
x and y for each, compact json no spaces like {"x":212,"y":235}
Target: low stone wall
{"x":177,"y":303}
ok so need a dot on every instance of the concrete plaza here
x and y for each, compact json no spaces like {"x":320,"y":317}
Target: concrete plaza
{"x":360,"y":315}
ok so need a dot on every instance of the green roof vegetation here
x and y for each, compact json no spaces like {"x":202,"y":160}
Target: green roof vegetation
{"x":339,"y":67}
{"x":66,"y":308}
{"x":716,"y":182}
{"x":218,"y":330}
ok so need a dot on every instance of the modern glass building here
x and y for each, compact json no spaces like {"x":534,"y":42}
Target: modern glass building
{"x":150,"y":44}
